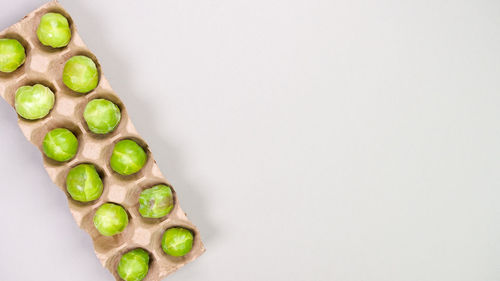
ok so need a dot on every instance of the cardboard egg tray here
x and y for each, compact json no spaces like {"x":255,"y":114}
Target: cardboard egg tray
{"x":44,"y":65}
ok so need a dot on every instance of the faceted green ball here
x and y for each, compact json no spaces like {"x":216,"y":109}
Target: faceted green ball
{"x":12,"y":55}
{"x":102,"y":116}
{"x":84,"y":183}
{"x":54,"y":30}
{"x":110,"y":219}
{"x":156,"y":202}
{"x":34,"y":102}
{"x":177,"y":241}
{"x":127,"y":158}
{"x":133,"y":265}
{"x":80,"y":74}
{"x":60,"y":144}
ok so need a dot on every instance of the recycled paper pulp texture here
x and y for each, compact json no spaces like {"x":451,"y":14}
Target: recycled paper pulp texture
{"x":44,"y":65}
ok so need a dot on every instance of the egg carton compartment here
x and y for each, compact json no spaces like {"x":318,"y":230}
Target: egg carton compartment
{"x":153,"y":272}
{"x":57,"y":67}
{"x":44,"y":65}
{"x":105,"y":244}
{"x":36,"y":19}
{"x":110,"y":96}
{"x":170,"y":262}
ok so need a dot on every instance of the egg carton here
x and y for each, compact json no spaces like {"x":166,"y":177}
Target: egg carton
{"x":44,"y":65}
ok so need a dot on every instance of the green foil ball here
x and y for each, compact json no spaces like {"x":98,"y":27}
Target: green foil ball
{"x":80,"y":74}
{"x":60,"y":145}
{"x":133,"y":265}
{"x":127,"y":158}
{"x":84,"y":183}
{"x":156,"y":202}
{"x":102,"y":116}
{"x":34,"y":102}
{"x":54,"y":30}
{"x":12,"y":55}
{"x":177,"y":241}
{"x":110,"y":219}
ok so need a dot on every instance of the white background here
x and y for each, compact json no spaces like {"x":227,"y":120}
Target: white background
{"x":309,"y":140}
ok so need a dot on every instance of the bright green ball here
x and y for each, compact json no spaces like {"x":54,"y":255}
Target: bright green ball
{"x":60,"y":145}
{"x":12,"y":55}
{"x":127,"y":158}
{"x":54,"y":30}
{"x":34,"y":102}
{"x":80,"y":74}
{"x":133,"y":265}
{"x":177,"y":241}
{"x":110,"y":219}
{"x":84,"y":183}
{"x":102,"y":116}
{"x":156,"y":202}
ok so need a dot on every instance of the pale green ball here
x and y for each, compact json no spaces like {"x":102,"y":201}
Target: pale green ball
{"x":34,"y":102}
{"x":156,"y":202}
{"x":127,"y":158}
{"x":80,"y":74}
{"x":12,"y":55}
{"x":84,"y":183}
{"x":177,"y":241}
{"x":110,"y":219}
{"x":54,"y":30}
{"x":60,"y":145}
{"x":133,"y":265}
{"x":102,"y":116}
